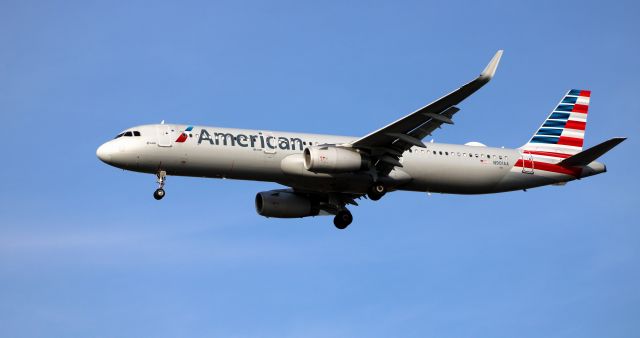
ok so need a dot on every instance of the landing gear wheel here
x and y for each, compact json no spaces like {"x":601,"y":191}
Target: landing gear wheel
{"x":376,"y":191}
{"x":158,"y":194}
{"x":161,"y":178}
{"x":343,"y":219}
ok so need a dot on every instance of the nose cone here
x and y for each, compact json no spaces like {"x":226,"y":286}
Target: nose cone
{"x":105,"y":152}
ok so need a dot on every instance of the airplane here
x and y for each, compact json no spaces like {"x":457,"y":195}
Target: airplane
{"x":326,"y":173}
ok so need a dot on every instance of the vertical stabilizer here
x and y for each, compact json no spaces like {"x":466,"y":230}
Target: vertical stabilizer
{"x":562,"y":133}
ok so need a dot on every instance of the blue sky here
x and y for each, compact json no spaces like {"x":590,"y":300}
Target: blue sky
{"x":85,"y":251}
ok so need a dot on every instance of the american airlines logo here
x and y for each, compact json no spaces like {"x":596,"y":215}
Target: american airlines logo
{"x":253,"y":141}
{"x":183,"y":135}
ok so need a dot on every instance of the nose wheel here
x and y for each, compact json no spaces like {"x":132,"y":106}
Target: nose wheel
{"x":343,"y":219}
{"x":159,"y":193}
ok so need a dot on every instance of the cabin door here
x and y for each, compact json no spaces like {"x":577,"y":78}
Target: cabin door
{"x":163,"y":132}
{"x":527,"y":164}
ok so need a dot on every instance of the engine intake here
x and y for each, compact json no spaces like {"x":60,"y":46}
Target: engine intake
{"x":330,"y":159}
{"x":284,"y":204}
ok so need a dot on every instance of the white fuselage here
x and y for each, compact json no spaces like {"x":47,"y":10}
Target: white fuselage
{"x":277,"y":157}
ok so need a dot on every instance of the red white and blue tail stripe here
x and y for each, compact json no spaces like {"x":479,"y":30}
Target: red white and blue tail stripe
{"x":562,"y":133}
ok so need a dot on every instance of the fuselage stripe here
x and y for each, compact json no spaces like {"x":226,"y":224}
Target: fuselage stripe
{"x":547,"y":153}
{"x":544,"y":166}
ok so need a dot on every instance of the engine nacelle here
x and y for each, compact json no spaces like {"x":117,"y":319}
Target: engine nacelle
{"x":284,"y":204}
{"x":330,"y":159}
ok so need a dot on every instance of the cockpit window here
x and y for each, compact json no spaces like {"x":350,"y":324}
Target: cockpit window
{"x":128,"y":133}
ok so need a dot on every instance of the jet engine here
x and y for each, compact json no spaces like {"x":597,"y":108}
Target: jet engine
{"x":330,"y":159}
{"x":285,"y":204}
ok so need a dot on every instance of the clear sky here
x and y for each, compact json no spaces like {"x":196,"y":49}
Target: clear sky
{"x":85,"y":250}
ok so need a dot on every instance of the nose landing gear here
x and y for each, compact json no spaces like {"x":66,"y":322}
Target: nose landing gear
{"x":159,"y":193}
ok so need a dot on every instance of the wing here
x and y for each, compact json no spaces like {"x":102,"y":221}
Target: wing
{"x":388,"y":143}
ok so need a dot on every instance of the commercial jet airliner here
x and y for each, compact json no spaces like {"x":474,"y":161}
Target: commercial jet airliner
{"x":325,"y":173}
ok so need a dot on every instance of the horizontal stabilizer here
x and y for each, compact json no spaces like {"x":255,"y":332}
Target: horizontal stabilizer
{"x":585,"y":157}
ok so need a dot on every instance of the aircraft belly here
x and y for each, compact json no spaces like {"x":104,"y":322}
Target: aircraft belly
{"x":516,"y":179}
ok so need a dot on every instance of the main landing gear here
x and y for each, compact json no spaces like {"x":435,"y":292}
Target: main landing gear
{"x":376,"y":191}
{"x":343,"y":218}
{"x":159,"y":193}
{"x":336,"y":204}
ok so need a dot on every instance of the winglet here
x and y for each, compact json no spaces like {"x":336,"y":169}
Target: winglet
{"x":490,"y":69}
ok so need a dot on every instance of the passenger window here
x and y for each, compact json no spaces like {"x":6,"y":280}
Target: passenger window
{"x":500,"y":157}
{"x":476,"y":155}
{"x":128,"y":134}
{"x":458,"y":154}
{"x":434,"y":152}
{"x":136,"y":133}
{"x":440,"y":153}
{"x":470,"y":155}
{"x":505,"y":158}
{"x":446,"y":153}
{"x":464,"y":154}
{"x":488,"y":156}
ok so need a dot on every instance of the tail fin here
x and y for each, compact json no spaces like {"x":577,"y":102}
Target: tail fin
{"x":562,"y":133}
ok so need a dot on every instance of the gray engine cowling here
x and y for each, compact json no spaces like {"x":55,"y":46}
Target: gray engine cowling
{"x":284,"y":204}
{"x":330,"y":159}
